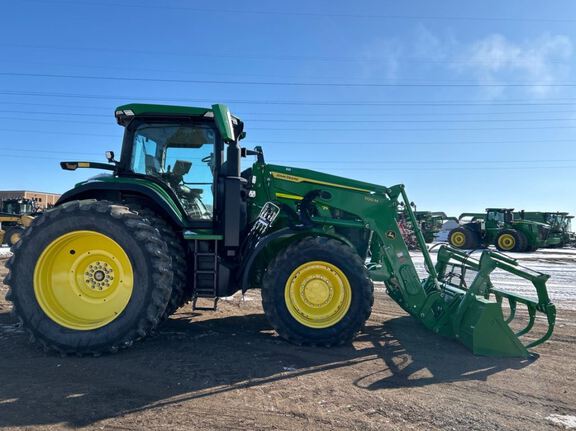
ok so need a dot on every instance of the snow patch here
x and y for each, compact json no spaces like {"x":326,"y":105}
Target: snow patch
{"x":560,"y":264}
{"x":567,"y":422}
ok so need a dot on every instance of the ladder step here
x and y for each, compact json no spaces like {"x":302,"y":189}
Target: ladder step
{"x":205,"y":275}
{"x":204,"y":308}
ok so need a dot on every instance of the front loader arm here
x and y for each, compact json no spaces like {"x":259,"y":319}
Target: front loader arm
{"x":471,"y":314}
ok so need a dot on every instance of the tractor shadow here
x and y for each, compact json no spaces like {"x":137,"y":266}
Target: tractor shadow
{"x":414,"y":357}
{"x":204,"y":358}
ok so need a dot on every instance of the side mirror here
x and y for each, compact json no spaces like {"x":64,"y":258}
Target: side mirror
{"x":244,"y":152}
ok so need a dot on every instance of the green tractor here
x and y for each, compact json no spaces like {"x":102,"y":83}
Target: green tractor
{"x":560,"y":226}
{"x":499,"y":227}
{"x":15,"y":216}
{"x":430,"y":223}
{"x":176,"y":220}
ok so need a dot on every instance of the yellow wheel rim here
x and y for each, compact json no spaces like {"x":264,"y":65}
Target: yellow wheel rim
{"x":15,"y":237}
{"x":83,"y":280}
{"x":506,"y":241}
{"x":458,"y":239}
{"x":318,"y":294}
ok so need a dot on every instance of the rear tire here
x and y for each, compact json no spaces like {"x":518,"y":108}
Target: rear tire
{"x":89,"y":277}
{"x":463,"y":238}
{"x":317,"y":292}
{"x":13,"y":235}
{"x":177,"y":251}
{"x":523,"y":242}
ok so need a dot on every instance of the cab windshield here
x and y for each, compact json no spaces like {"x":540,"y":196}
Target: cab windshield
{"x":501,"y":216}
{"x":182,"y":156}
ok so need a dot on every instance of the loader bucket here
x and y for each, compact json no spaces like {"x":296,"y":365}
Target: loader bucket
{"x":474,"y":313}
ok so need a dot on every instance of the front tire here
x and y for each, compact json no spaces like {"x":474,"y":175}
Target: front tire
{"x":13,"y":235}
{"x":511,"y":240}
{"x":89,"y":277}
{"x":317,"y":292}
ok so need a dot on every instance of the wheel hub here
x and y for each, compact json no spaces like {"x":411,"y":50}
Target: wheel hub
{"x":507,"y":242}
{"x":99,"y":275}
{"x":318,"y":294}
{"x":458,"y":239}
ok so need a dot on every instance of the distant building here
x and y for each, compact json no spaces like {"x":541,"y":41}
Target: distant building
{"x":43,"y":200}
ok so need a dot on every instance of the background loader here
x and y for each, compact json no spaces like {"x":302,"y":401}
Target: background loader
{"x":177,"y":220}
{"x":500,"y":227}
{"x":15,"y":216}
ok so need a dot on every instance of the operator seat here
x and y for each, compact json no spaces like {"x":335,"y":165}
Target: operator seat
{"x":152,"y":165}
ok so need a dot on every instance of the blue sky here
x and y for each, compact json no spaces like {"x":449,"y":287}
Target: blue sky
{"x":471,"y":105}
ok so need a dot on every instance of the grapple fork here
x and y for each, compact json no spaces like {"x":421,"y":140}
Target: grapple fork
{"x":477,"y":318}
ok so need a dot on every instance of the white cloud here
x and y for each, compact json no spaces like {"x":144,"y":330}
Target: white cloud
{"x":380,"y":60}
{"x":496,"y":60}
{"x":429,"y":46}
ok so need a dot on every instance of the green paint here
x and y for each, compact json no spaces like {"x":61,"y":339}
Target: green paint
{"x":223,"y":121}
{"x":152,"y":186}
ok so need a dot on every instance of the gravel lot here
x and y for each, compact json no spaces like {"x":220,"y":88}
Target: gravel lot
{"x":228,"y":370}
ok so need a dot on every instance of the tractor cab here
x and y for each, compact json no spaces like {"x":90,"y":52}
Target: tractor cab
{"x":19,"y":206}
{"x":182,"y":148}
{"x":499,"y":217}
{"x":557,"y":220}
{"x":180,"y":155}
{"x":184,"y":162}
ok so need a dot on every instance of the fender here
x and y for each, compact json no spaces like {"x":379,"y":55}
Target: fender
{"x":113,"y":188}
{"x":287,"y":232}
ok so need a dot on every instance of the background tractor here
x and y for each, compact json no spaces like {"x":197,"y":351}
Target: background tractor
{"x":15,"y":216}
{"x":560,"y":226}
{"x":177,"y":220}
{"x":430,"y":223}
{"x":499,"y":227}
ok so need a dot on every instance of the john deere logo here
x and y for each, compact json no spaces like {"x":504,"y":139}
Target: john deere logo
{"x":391,"y":234}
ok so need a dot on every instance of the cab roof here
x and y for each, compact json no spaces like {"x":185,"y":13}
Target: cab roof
{"x":125,"y":113}
{"x":499,"y":209}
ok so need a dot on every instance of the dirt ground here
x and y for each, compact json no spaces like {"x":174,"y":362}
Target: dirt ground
{"x":228,"y":370}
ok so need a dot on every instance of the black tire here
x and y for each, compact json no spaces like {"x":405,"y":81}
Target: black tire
{"x":470,"y":238}
{"x":147,"y":254}
{"x":337,"y":254}
{"x":522,"y":242}
{"x":177,"y":251}
{"x":13,"y":235}
{"x":518,"y":245}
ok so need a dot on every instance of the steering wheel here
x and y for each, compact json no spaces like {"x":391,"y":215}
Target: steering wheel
{"x":209,"y":160}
